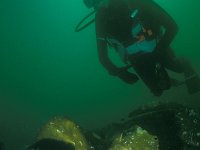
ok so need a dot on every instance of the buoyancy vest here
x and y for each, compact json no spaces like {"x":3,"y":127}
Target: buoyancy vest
{"x":134,"y":46}
{"x":145,"y":45}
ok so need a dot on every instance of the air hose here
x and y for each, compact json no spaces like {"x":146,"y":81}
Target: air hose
{"x":80,"y":27}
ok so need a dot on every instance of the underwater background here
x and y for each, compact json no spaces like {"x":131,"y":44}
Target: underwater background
{"x":47,"y":69}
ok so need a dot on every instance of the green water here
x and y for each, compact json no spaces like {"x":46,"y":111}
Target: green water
{"x":46,"y":69}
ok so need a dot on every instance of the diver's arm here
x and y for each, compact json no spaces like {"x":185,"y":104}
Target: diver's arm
{"x":102,"y":44}
{"x":104,"y":59}
{"x":165,"y":20}
{"x":154,"y":12}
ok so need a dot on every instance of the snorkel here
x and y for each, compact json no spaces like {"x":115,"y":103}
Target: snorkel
{"x":94,"y":4}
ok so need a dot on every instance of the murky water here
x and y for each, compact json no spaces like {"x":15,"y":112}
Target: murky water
{"x":47,"y":69}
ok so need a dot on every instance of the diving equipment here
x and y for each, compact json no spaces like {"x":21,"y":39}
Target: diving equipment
{"x":80,"y":27}
{"x":89,"y":4}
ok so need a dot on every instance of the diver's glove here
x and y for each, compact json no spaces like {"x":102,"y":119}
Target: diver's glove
{"x":127,"y":77}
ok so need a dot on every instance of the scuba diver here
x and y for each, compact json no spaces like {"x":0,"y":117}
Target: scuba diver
{"x":141,"y":32}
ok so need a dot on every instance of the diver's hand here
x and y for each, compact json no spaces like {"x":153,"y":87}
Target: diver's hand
{"x":127,"y":77}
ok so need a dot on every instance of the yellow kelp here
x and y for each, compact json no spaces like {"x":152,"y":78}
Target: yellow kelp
{"x":137,"y":139}
{"x":64,"y":130}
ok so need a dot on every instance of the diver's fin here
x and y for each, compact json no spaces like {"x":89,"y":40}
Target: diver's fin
{"x":193,"y":84}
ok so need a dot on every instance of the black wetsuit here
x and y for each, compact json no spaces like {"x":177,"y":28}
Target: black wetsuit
{"x":115,"y":21}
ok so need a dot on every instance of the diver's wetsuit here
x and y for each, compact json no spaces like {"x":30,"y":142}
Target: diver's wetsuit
{"x":115,"y":21}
